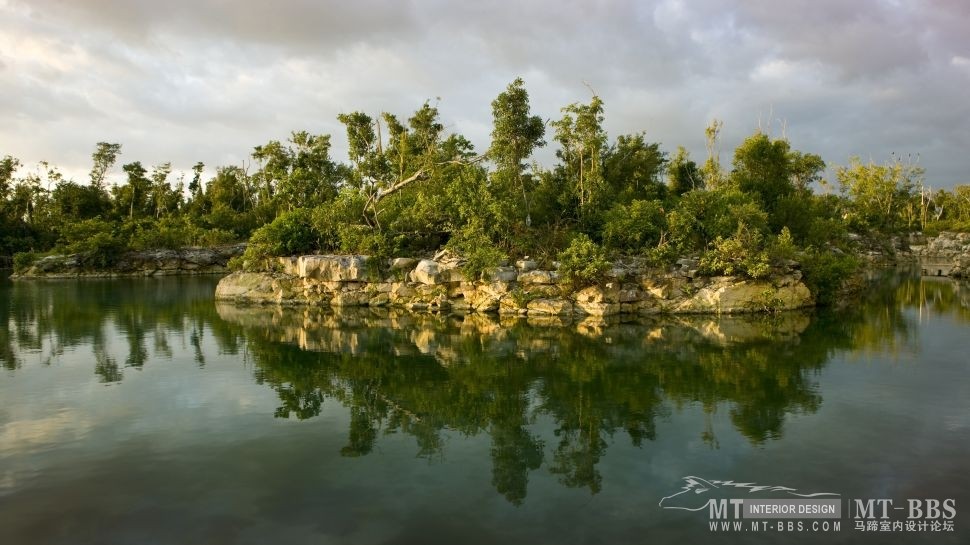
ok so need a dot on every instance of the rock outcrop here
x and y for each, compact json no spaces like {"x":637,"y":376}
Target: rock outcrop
{"x":356,"y":281}
{"x":141,"y":263}
{"x":945,"y":255}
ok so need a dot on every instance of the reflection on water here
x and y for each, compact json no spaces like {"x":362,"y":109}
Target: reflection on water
{"x":423,"y":375}
{"x":44,"y":318}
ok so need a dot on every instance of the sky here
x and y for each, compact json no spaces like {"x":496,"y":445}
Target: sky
{"x":207,"y":80}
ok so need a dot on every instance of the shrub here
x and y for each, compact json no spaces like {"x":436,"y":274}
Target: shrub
{"x":23,"y":261}
{"x":166,"y":233}
{"x":479,"y":251}
{"x":700,"y":217}
{"x":290,"y":233}
{"x":95,"y":240}
{"x":214,"y":237}
{"x":583,"y":262}
{"x":633,"y":227}
{"x":363,"y":239}
{"x":783,"y":247}
{"x":741,"y":254}
{"x":328,"y":219}
{"x":825,"y":272}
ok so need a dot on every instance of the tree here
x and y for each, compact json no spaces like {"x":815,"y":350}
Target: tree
{"x":104,"y":157}
{"x":135,"y":192}
{"x":683,"y":174}
{"x":582,"y":139}
{"x":806,"y":169}
{"x":763,"y":168}
{"x":632,"y":168}
{"x":161,"y":197}
{"x":879,"y":193}
{"x":370,"y":165}
{"x":515,"y":134}
{"x":8,"y":166}
{"x":713,"y":174}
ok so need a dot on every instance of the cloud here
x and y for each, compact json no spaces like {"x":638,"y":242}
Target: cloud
{"x":190,"y":80}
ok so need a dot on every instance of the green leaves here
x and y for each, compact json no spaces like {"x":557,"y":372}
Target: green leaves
{"x":583,"y":262}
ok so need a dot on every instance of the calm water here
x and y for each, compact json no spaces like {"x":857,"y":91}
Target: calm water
{"x":141,"y":411}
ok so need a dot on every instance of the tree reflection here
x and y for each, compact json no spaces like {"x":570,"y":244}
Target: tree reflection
{"x":47,"y":317}
{"x":556,"y":393}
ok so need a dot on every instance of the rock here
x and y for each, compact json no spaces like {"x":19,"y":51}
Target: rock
{"x":511,"y":305}
{"x":550,"y":307}
{"x":290,"y":265}
{"x":598,"y":294}
{"x":440,"y":287}
{"x":248,"y":287}
{"x":539,"y":277}
{"x":451,"y":275}
{"x":336,"y":268}
{"x":432,"y":273}
{"x":734,"y":296}
{"x":485,"y":297}
{"x":945,"y":255}
{"x":501,"y":274}
{"x":526,"y":265}
{"x":401,"y":292}
{"x":630,"y":295}
{"x":597,"y":309}
{"x":426,"y":272}
{"x":141,"y":263}
{"x":657,"y":289}
{"x":403,"y":263}
{"x":350,"y":299}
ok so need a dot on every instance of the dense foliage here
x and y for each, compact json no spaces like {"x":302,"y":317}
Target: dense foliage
{"x":410,"y":188}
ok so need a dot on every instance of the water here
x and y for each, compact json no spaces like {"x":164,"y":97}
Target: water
{"x":141,"y":411}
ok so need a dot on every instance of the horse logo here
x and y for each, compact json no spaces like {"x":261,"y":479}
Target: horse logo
{"x":713,"y":490}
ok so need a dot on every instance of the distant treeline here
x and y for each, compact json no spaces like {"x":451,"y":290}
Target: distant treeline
{"x":409,"y":187}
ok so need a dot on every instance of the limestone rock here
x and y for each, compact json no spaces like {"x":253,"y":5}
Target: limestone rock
{"x":248,"y":287}
{"x":336,"y":268}
{"x":403,"y":263}
{"x":539,"y":277}
{"x":550,"y":307}
{"x":598,"y":294}
{"x":501,"y":274}
{"x":426,"y":272}
{"x":734,"y":296}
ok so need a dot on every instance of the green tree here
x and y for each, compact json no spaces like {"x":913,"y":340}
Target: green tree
{"x":762,"y":167}
{"x":712,"y":172}
{"x":8,"y":166}
{"x":131,"y":198}
{"x":683,"y":174}
{"x":582,"y":139}
{"x":878,"y":193}
{"x":104,"y":157}
{"x":515,"y":134}
{"x":632,"y":169}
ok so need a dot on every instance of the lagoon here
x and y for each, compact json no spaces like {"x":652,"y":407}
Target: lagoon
{"x":142,"y":411}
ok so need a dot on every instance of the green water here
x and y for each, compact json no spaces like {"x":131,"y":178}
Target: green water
{"x":141,"y":411}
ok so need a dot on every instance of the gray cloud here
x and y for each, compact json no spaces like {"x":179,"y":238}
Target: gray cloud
{"x":189,"y":80}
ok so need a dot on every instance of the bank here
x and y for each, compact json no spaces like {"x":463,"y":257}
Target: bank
{"x":518,"y":289}
{"x":158,"y":262}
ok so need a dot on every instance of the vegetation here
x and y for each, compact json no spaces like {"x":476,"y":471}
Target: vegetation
{"x":409,"y":187}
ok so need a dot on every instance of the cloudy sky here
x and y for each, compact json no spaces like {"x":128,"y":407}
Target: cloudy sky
{"x":206,"y":80}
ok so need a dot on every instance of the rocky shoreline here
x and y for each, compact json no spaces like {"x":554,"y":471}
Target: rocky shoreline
{"x":163,"y":262}
{"x":523,"y":289}
{"x":945,"y":255}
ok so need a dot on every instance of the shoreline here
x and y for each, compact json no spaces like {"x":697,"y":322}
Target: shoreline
{"x":428,"y":285}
